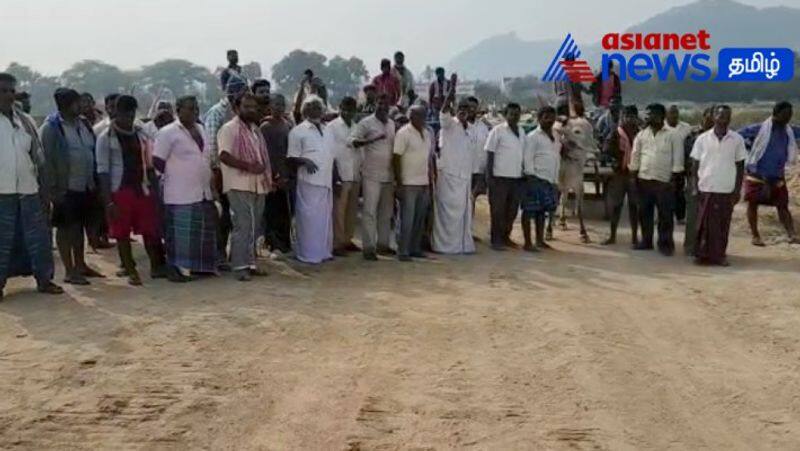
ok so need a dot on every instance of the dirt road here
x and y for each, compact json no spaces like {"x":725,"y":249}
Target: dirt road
{"x":585,"y":347}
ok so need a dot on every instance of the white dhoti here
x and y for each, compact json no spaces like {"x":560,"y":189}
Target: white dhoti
{"x":452,"y":213}
{"x":314,"y":223}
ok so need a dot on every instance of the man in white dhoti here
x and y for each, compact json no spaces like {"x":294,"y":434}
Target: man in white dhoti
{"x":577,"y":136}
{"x":311,"y":152}
{"x":452,"y":207}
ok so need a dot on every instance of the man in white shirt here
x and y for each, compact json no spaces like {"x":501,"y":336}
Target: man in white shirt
{"x":505,"y":146}
{"x":674,"y":122}
{"x":311,"y":151}
{"x":656,"y":161}
{"x":718,"y":160}
{"x":246,"y":179}
{"x":374,"y":135}
{"x":347,"y":178}
{"x":412,"y":150}
{"x":479,"y":132}
{"x":540,"y":164}
{"x":452,"y":207}
{"x":110,"y":103}
{"x":25,"y":243}
{"x":181,"y":154}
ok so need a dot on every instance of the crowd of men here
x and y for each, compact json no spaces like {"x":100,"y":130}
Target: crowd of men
{"x":202,"y":191}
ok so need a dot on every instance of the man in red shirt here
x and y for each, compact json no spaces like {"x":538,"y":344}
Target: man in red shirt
{"x":387,"y":83}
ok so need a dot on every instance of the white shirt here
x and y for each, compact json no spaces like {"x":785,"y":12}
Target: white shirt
{"x":377,"y":157}
{"x":187,"y":175}
{"x":347,"y":157}
{"x":657,"y":157}
{"x":542,"y":157}
{"x":507,"y":149}
{"x":718,"y":158}
{"x":150,"y":130}
{"x":315,"y":144}
{"x":17,"y":171}
{"x":682,"y":129}
{"x":101,"y":126}
{"x":455,"y":142}
{"x":414,"y":149}
{"x":479,"y":132}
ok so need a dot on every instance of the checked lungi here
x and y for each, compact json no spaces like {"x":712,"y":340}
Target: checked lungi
{"x":25,"y":239}
{"x":191,"y":236}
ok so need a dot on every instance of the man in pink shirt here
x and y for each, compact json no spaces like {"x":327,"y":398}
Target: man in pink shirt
{"x":182,"y":155}
{"x":387,"y":83}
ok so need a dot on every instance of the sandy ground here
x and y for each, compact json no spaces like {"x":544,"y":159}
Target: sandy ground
{"x":586,"y":347}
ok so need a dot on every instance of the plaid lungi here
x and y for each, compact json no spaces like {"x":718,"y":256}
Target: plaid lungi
{"x":191,"y":236}
{"x":25,"y":239}
{"x":538,"y":195}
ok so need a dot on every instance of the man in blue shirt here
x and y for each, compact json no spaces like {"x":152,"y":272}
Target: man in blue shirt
{"x":772,"y":145}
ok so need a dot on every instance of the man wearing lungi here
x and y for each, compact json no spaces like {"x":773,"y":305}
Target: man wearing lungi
{"x":311,"y":152}
{"x":452,"y":194}
{"x":718,"y":160}
{"x":540,"y":164}
{"x":181,"y":153}
{"x":774,"y":146}
{"x":25,"y":240}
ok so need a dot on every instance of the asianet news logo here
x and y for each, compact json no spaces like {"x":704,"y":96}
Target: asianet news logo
{"x":644,"y":56}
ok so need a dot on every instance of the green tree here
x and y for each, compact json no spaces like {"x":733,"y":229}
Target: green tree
{"x":288,"y":72}
{"x":96,"y":77}
{"x":344,"y":77}
{"x":252,"y":71}
{"x":175,"y":77}
{"x":25,"y":75}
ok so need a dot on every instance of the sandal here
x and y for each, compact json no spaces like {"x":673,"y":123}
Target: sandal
{"x":134,"y":279}
{"x":91,"y":273}
{"x":76,"y":280}
{"x":50,"y":288}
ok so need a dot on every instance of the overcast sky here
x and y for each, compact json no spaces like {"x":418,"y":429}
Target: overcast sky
{"x":52,"y":34}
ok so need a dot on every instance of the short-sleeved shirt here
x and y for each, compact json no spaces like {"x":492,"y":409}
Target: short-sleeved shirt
{"x":347,"y":157}
{"x":681,"y":128}
{"x":389,"y":85}
{"x":80,"y":147}
{"x":307,"y":140}
{"x":187,"y":175}
{"x":414,"y":148}
{"x":542,"y":157}
{"x":717,"y":161}
{"x":656,"y":156}
{"x":478,"y":135}
{"x":17,"y":171}
{"x":507,"y":149}
{"x":232,"y":178}
{"x":455,"y":154}
{"x":377,"y":162}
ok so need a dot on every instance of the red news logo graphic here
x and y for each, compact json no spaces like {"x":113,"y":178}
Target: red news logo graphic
{"x":578,"y":71}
